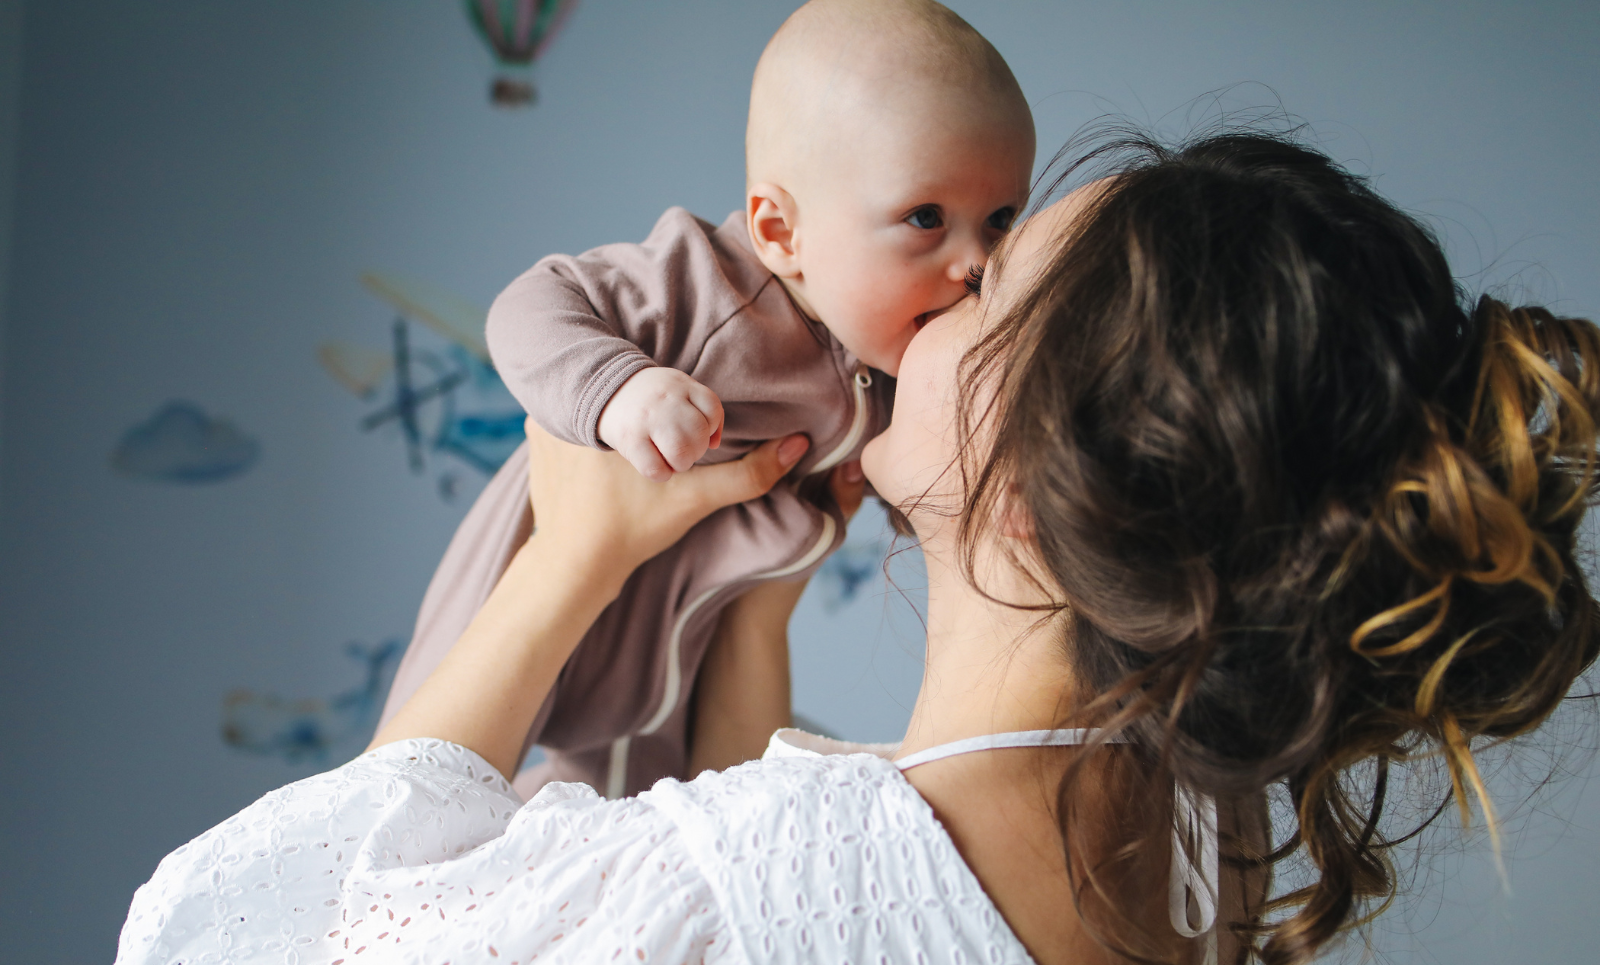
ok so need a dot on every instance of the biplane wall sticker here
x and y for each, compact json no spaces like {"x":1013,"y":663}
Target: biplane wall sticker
{"x":433,"y":385}
{"x":309,"y":729}
{"x":516,"y":32}
{"x":180,"y":443}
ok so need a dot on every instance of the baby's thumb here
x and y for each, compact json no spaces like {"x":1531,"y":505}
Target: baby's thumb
{"x":735,"y":482}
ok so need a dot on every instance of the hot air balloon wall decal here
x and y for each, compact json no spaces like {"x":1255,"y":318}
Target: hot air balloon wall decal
{"x":517,"y":32}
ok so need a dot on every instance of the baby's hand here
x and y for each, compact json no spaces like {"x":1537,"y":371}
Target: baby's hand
{"x":662,"y":421}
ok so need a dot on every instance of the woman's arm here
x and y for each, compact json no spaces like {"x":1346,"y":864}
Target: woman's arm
{"x":741,"y":694}
{"x":596,"y":520}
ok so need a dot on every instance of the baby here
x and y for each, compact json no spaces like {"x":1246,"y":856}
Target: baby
{"x":888,"y":149}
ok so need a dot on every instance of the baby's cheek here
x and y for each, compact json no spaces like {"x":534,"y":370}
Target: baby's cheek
{"x":878,"y":317}
{"x":889,"y":337}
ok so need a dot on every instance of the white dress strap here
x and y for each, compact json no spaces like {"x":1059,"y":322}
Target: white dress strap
{"x":1194,"y":828}
{"x":1018,"y":738}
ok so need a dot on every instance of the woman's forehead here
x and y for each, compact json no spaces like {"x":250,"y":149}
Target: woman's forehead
{"x":1019,"y":254}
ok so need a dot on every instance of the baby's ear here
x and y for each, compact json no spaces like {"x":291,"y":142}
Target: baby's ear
{"x":772,"y":216}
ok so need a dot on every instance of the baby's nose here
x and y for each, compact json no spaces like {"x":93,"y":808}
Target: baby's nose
{"x":963,"y":263}
{"x":969,"y":253}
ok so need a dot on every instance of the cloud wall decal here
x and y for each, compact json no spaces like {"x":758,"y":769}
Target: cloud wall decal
{"x":181,"y":444}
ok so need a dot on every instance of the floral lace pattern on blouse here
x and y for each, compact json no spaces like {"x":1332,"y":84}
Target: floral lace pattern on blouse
{"x":420,"y":852}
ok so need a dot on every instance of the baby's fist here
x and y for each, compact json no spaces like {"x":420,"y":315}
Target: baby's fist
{"x":662,"y":421}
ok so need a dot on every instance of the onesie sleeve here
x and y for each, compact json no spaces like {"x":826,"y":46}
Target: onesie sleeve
{"x":567,"y":333}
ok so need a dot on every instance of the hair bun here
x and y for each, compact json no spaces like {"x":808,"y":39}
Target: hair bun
{"x":1496,"y":483}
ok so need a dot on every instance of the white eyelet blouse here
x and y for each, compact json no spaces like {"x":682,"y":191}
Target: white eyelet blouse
{"x":420,"y":852}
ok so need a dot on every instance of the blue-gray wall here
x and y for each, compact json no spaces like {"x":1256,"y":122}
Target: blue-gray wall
{"x":10,"y":100}
{"x":198,"y":186}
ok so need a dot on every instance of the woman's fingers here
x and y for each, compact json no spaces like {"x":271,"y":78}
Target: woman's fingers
{"x":594,"y":504}
{"x":735,"y":482}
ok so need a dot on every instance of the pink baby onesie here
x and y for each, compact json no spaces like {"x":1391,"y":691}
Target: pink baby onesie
{"x":565,"y":336}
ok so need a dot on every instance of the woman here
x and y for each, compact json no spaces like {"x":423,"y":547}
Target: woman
{"x":1218,"y":484}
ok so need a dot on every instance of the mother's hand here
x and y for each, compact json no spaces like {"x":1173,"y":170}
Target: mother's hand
{"x":594,"y":506}
{"x":596,"y":519}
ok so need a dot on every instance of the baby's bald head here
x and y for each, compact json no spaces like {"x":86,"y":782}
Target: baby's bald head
{"x":838,"y":70}
{"x":888,"y":151}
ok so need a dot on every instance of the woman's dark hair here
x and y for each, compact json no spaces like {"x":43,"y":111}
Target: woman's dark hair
{"x":1306,"y":508}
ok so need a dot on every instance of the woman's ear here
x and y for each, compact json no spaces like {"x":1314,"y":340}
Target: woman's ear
{"x":773,"y":220}
{"x":1015,"y":520}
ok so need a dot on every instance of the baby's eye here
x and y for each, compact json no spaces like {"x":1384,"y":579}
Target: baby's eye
{"x":926,"y":218}
{"x":974,"y":281}
{"x":1001,"y":220}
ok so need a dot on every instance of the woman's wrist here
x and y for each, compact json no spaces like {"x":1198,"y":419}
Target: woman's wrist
{"x":587,"y":569}
{"x":551,"y":584}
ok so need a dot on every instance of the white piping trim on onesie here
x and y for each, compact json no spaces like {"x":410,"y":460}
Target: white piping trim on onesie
{"x":617,"y":769}
{"x":858,"y":422}
{"x":617,"y":773}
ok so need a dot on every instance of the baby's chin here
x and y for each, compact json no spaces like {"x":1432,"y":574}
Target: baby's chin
{"x":891,"y":354}
{"x":879,"y":359}
{"x":889,"y":365}
{"x":886,"y":348}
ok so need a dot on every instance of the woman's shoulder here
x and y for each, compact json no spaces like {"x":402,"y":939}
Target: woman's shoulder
{"x":421,"y":848}
{"x":801,"y":779}
{"x":821,"y":850}
{"x":825,"y":774}
{"x":794,"y":742}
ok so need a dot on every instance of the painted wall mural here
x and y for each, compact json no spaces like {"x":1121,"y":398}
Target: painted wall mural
{"x":434,"y":387}
{"x":310,"y":729}
{"x":180,"y":443}
{"x":852,"y":567}
{"x":516,"y":33}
